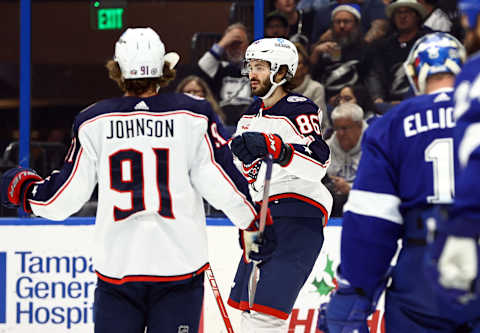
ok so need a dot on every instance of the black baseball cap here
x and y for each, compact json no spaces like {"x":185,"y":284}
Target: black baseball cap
{"x":276,"y":15}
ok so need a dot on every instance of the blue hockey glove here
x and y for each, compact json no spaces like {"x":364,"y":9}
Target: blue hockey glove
{"x":15,"y":185}
{"x":253,"y":145}
{"x":349,"y":308}
{"x":452,"y":258}
{"x":347,"y":312}
{"x":322,"y":318}
{"x":259,"y":250}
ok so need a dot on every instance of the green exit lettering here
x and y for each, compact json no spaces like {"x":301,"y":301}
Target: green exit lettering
{"x":110,"y":18}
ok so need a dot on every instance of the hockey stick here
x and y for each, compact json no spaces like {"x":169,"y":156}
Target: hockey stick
{"x":252,"y":284}
{"x":218,"y":298}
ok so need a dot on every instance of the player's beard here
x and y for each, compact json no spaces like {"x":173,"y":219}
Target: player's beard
{"x":263,"y":88}
{"x":472,"y":42}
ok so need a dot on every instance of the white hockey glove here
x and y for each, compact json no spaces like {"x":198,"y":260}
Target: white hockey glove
{"x":452,"y":257}
{"x":458,"y":263}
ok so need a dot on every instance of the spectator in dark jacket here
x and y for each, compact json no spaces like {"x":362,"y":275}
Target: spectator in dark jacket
{"x":221,"y":68}
{"x":342,"y":60}
{"x":389,"y":83}
{"x":300,"y":22}
{"x":374,"y":23}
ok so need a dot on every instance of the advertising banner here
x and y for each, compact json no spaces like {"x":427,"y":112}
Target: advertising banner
{"x":47,"y":278}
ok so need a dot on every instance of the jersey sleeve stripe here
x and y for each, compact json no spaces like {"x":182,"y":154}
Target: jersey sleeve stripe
{"x":63,"y":187}
{"x":151,"y":278}
{"x":470,"y":142}
{"x":311,"y":159}
{"x":379,"y":205}
{"x":243,"y":305}
{"x":224,"y":174}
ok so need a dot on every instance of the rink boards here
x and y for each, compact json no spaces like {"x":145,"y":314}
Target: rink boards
{"x":47,"y":279}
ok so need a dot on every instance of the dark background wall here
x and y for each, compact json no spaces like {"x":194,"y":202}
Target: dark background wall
{"x":68,"y":56}
{"x":61,"y":31}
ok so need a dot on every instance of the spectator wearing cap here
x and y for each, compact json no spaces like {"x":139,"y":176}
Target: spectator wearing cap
{"x":373,"y":24}
{"x":276,"y":25}
{"x":300,"y":21}
{"x":388,"y":81}
{"x":342,"y":60}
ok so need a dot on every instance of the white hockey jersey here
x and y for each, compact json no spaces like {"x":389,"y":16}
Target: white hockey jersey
{"x":153,"y":159}
{"x":296,"y":119}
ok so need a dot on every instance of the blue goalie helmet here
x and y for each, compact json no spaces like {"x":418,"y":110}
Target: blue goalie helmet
{"x":433,"y":54}
{"x":470,"y":8}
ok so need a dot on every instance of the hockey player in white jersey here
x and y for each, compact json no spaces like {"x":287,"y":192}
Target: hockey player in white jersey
{"x":153,"y":156}
{"x":287,"y":126}
{"x":406,"y":169}
{"x":454,"y":256}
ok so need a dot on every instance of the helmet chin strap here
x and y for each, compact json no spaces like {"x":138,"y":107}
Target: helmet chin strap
{"x":274,"y":85}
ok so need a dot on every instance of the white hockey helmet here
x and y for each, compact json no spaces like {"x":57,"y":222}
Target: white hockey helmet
{"x":277,"y":51}
{"x":432,"y":54}
{"x":141,"y":54}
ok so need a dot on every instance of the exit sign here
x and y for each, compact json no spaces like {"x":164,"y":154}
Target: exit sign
{"x":110,"y":18}
{"x":107,"y":14}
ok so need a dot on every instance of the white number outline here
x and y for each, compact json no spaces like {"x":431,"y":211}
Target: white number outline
{"x":440,"y":153}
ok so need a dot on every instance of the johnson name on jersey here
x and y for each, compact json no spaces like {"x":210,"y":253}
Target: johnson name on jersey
{"x":406,"y":165}
{"x":296,"y":119}
{"x":154,"y":159}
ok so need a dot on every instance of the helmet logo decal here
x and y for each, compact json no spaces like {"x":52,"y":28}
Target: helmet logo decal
{"x":433,"y":52}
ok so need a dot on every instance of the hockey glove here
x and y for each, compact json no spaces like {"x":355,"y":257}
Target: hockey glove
{"x":322,"y":319}
{"x":349,"y":308}
{"x":259,"y":250}
{"x":15,"y":185}
{"x":452,"y":259}
{"x":252,"y":145}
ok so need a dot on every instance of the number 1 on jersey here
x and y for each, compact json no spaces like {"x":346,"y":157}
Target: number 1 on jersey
{"x":440,"y":153}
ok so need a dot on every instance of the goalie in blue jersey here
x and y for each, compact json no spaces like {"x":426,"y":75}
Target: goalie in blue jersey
{"x":406,"y":169}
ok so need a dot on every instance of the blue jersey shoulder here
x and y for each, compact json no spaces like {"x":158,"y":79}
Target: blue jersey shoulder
{"x":414,"y":116}
{"x":467,"y":86}
{"x":470,"y":70}
{"x":404,"y":141}
{"x":164,"y":102}
{"x":289,"y":106}
{"x":295,"y":104}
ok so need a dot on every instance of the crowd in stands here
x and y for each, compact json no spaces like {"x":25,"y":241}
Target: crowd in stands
{"x":351,"y":55}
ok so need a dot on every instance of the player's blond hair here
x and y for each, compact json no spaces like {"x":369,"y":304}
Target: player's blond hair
{"x":140,"y":86}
